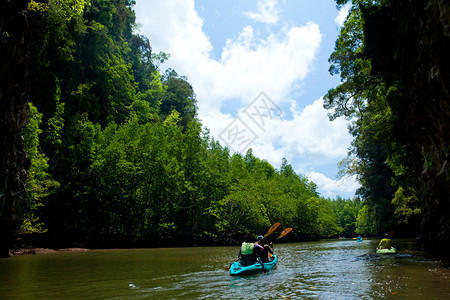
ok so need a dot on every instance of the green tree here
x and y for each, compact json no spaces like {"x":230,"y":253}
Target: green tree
{"x":327,"y":219}
{"x":39,"y":183}
{"x":365,"y":222}
{"x":406,"y":205}
{"x":179,"y":96}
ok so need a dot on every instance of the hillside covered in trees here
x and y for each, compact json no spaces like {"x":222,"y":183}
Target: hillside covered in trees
{"x":113,"y":154}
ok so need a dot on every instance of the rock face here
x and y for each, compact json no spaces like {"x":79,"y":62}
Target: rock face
{"x":14,"y":112}
{"x":409,"y":43}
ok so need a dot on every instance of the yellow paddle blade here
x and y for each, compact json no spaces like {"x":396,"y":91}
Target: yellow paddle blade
{"x":272,"y":229}
{"x":284,"y":232}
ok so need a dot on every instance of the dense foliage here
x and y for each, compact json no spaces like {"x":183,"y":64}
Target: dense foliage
{"x":395,"y":89}
{"x":118,"y":156}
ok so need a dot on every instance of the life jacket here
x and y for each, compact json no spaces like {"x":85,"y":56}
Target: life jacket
{"x":247,"y":248}
{"x":247,"y":257}
{"x":385,"y":244}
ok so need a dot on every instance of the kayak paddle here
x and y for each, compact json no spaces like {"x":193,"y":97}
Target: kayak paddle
{"x":284,"y":232}
{"x":272,"y":229}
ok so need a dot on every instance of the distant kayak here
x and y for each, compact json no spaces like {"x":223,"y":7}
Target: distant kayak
{"x":237,"y":269}
{"x":387,"y":251}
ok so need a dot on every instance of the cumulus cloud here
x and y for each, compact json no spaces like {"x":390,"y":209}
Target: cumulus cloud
{"x":342,"y":15}
{"x":331,"y":187}
{"x":248,"y":64}
{"x":309,"y":133}
{"x":266,"y":12}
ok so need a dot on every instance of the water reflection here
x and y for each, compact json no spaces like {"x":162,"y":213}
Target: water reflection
{"x":331,"y":269}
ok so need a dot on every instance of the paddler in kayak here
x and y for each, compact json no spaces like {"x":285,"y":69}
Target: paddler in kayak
{"x":264,"y":252}
{"x":386,"y":242}
{"x":249,"y":249}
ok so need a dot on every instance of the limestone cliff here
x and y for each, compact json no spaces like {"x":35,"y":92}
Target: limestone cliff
{"x":14,"y":59}
{"x":409,"y":44}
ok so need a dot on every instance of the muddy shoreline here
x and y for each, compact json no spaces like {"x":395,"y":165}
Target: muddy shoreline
{"x":33,"y":251}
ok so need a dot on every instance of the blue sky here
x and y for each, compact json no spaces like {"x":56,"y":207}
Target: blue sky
{"x":259,"y":69}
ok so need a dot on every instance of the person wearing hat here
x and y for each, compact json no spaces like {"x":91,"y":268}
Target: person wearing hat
{"x":386,"y":242}
{"x":263,"y":251}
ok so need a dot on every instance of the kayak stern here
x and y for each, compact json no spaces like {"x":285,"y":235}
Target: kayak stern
{"x":237,"y":269}
{"x":387,"y":251}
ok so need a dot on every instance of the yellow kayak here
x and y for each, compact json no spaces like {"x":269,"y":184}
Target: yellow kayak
{"x":387,"y":251}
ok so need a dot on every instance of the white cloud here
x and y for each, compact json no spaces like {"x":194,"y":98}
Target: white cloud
{"x":330,"y":187}
{"x":248,"y":64}
{"x":308,"y":136}
{"x":266,"y":12}
{"x":342,"y":15}
{"x":311,"y":132}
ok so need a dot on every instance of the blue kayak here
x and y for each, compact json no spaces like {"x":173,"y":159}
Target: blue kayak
{"x":237,"y":269}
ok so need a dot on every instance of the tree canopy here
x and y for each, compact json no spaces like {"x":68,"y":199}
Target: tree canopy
{"x":119,"y":158}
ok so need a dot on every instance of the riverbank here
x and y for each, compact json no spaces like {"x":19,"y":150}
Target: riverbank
{"x":33,"y":251}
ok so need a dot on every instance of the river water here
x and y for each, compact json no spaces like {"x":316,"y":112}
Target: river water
{"x":327,"y":269}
